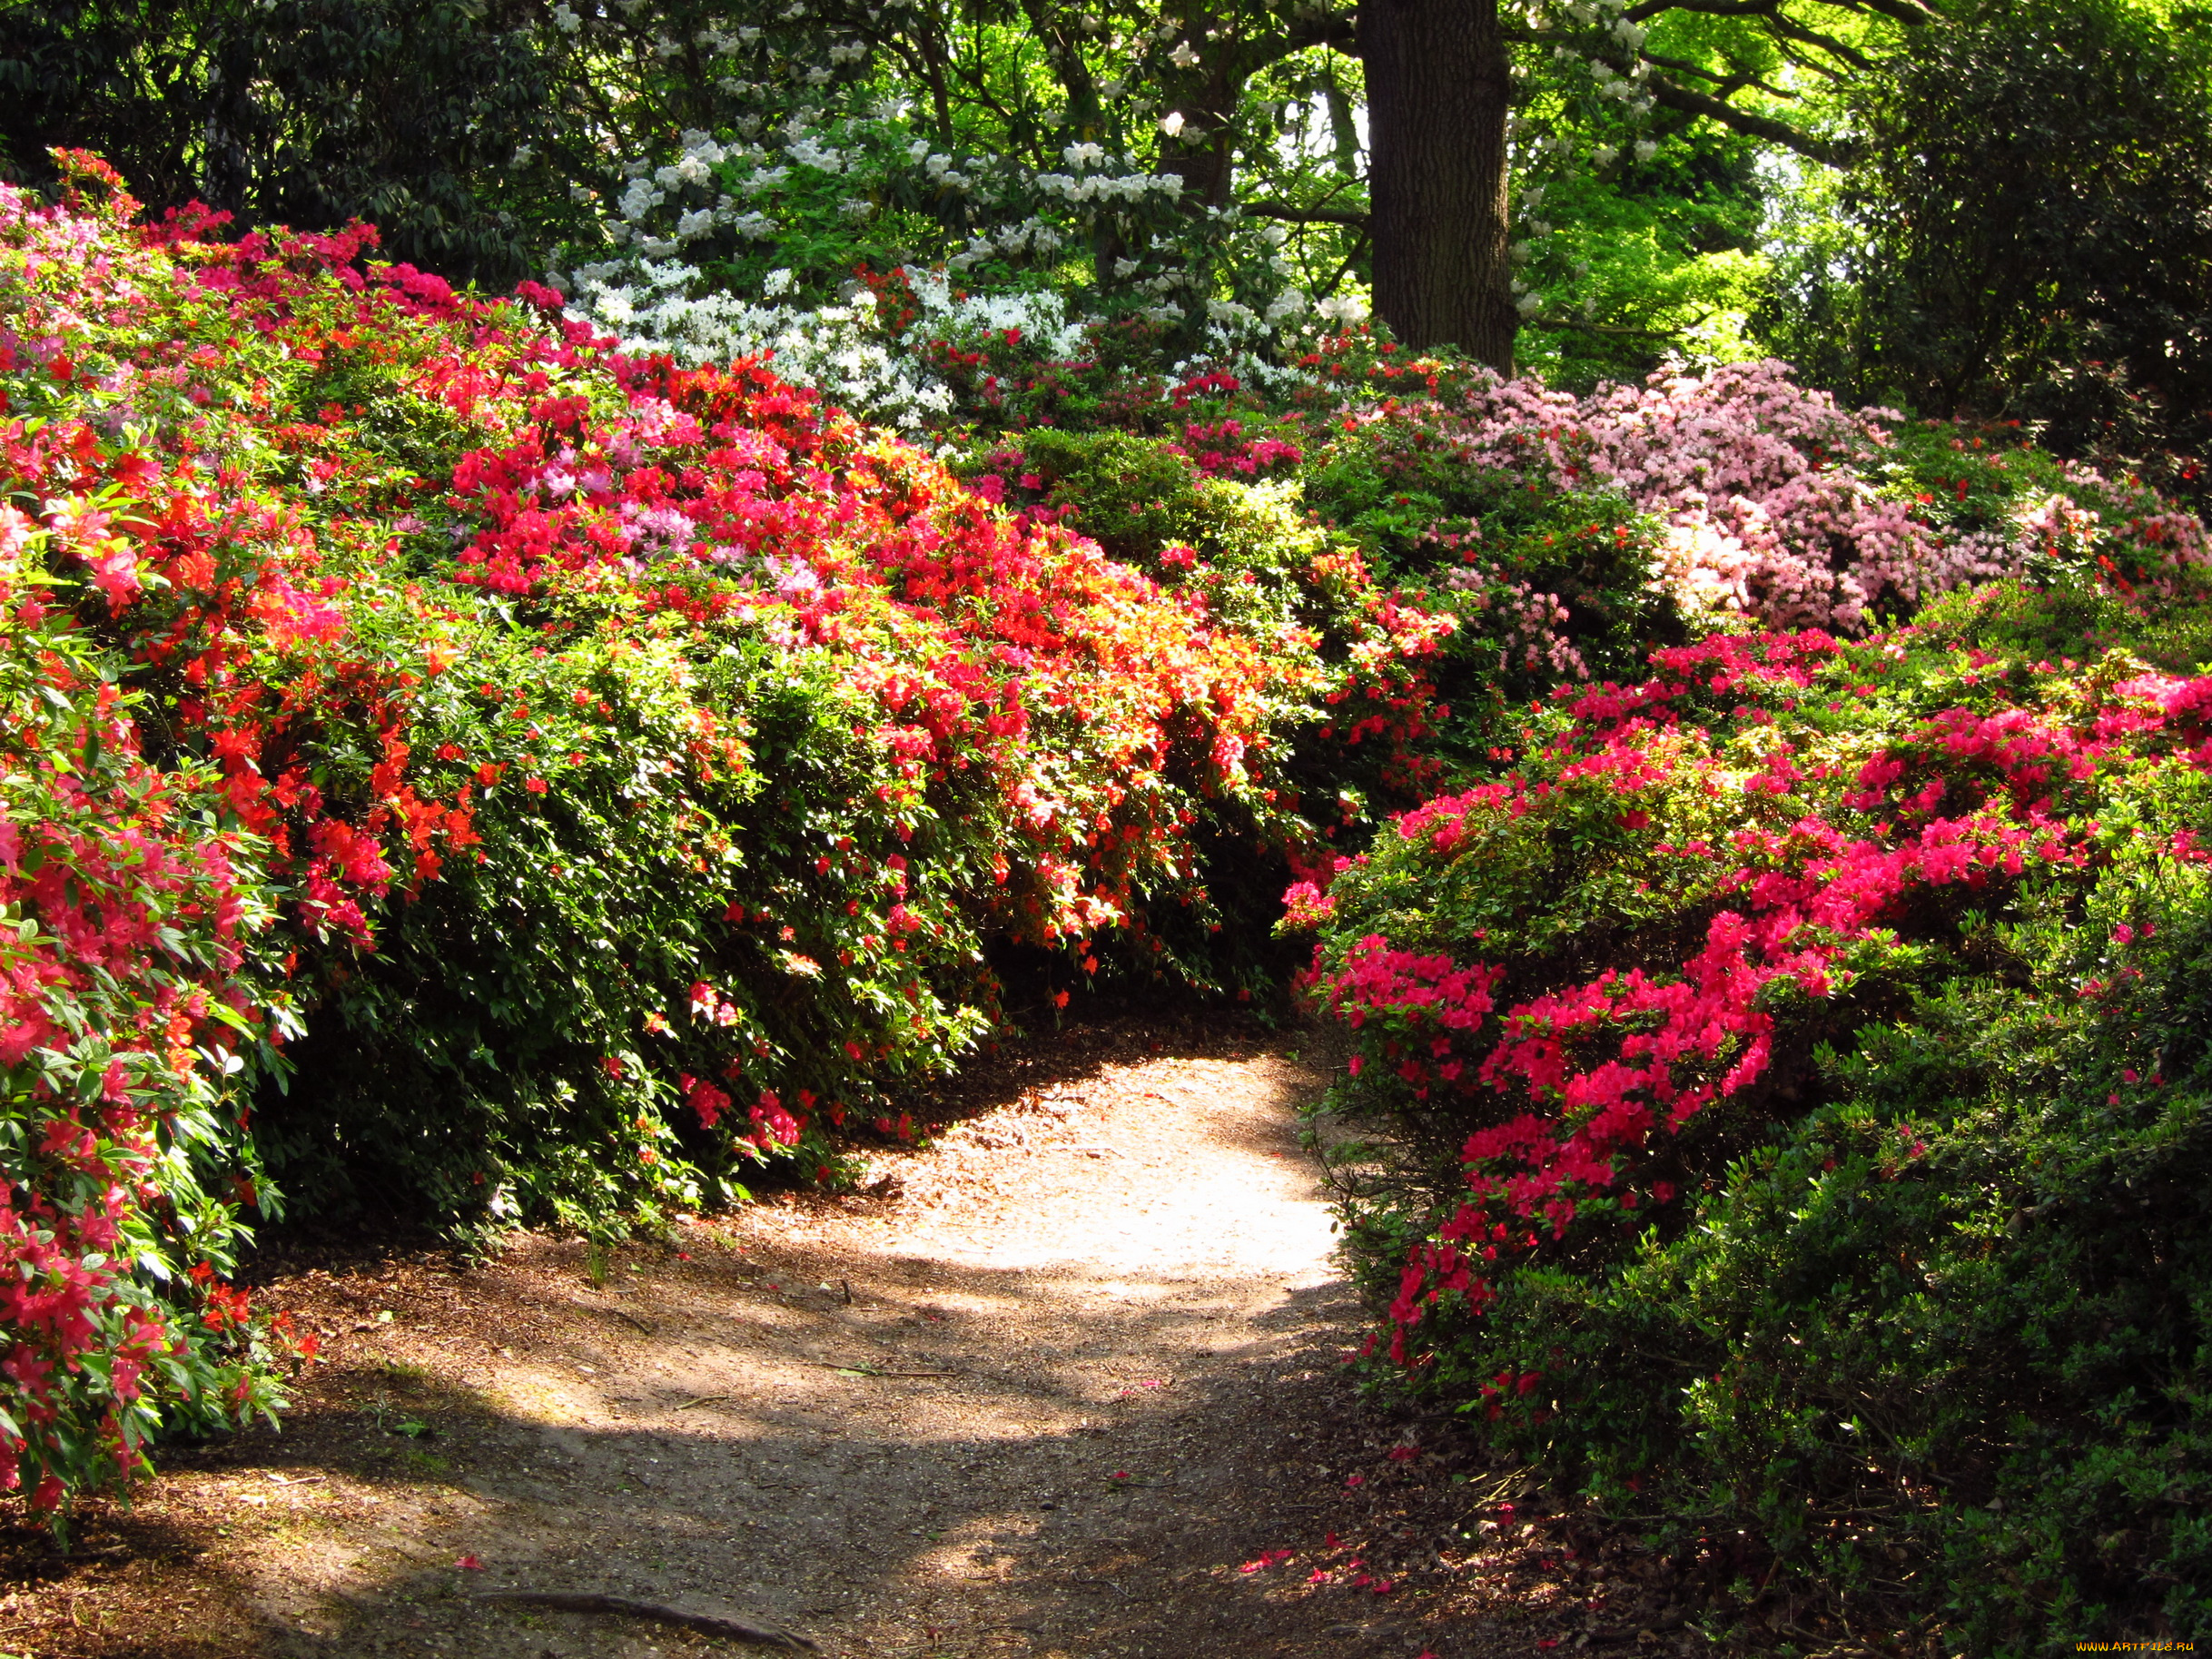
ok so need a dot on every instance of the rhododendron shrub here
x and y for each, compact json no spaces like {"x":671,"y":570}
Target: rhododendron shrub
{"x":130,"y":911}
{"x":597,"y":778}
{"x":1785,"y":1096}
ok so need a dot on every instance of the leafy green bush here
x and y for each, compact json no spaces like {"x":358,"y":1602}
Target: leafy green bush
{"x":2023,"y":233}
{"x":1785,"y":1099}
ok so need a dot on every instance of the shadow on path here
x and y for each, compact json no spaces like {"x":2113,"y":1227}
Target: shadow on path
{"x":1074,"y":1394}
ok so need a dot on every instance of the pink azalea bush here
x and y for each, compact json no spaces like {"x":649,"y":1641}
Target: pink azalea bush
{"x":1798,"y":950}
{"x":1771,"y":503}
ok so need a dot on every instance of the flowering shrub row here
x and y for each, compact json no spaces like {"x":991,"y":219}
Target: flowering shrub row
{"x":455,"y":767}
{"x":1464,"y":544}
{"x":1768,"y":500}
{"x":1738,"y":493}
{"x":1793,"y":1096}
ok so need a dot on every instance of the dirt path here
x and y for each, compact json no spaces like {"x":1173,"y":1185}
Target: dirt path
{"x":1063,"y":1394}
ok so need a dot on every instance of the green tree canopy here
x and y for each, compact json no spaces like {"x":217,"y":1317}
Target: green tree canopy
{"x":2026,"y":230}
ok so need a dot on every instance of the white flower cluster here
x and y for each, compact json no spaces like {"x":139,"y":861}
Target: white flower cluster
{"x":845,"y":351}
{"x":1597,"y":64}
{"x":684,"y":229}
{"x":1607,"y":44}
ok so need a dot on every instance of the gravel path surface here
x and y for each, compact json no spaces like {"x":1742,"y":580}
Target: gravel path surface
{"x":1067,"y":1385}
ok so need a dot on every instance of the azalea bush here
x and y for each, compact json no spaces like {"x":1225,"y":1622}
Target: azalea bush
{"x":1774,"y":504}
{"x":459,"y":770}
{"x":1778,"y":1097}
{"x":616,"y":597}
{"x":130,"y":910}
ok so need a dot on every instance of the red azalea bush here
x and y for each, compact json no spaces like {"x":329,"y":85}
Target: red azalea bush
{"x":1767,"y":1067}
{"x":130,"y":910}
{"x":455,"y":768}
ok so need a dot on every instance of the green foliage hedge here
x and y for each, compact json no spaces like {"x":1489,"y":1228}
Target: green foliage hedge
{"x":1874,"y":1226}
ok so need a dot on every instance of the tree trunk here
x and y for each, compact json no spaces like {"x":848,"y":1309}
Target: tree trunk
{"x":1437,"y":88}
{"x":1206,"y":96}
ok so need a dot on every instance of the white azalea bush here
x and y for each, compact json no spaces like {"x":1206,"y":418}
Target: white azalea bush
{"x":835,"y":246}
{"x":1201,"y":173}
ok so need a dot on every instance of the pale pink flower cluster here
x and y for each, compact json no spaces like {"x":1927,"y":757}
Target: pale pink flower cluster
{"x":1772,"y":497}
{"x":1529,"y":622}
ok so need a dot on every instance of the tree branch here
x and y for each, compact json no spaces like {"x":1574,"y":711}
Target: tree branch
{"x":924,"y":58}
{"x":1335,"y":30}
{"x":1796,"y":59}
{"x":1338,"y":29}
{"x":1710,"y":8}
{"x":1690,"y":103}
{"x":1304,"y":215}
{"x":1682,"y":65}
{"x":1359,"y":246}
{"x":1724,"y":87}
{"x":1783,"y":24}
{"x":712,"y":1621}
{"x":1910,"y":12}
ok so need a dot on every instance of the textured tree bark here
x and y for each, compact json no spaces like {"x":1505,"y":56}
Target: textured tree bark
{"x":1438,"y":90}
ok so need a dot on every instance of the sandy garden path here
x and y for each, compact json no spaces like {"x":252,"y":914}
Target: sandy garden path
{"x":1066,"y":1391}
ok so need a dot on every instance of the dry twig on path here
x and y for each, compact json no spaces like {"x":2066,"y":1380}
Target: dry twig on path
{"x":734,"y":1626}
{"x":865,"y":1369}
